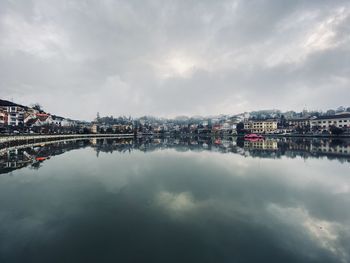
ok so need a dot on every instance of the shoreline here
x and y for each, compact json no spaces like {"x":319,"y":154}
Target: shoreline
{"x":19,"y":138}
{"x":22,"y":137}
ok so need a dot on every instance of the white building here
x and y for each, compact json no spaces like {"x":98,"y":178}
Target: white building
{"x":325,"y":122}
{"x":14,"y":113}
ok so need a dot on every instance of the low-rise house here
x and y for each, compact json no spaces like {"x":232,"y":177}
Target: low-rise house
{"x":56,"y":120}
{"x":43,"y":119}
{"x":67,"y":123}
{"x":261,"y":126}
{"x":324,"y":123}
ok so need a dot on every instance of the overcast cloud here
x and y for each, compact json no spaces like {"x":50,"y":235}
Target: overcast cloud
{"x":169,"y":58}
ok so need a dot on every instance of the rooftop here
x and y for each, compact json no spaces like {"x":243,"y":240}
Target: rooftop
{"x":337,"y":116}
{"x":7,"y":103}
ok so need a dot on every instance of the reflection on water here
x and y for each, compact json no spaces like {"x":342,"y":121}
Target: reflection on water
{"x":337,"y":149}
{"x":176,"y":200}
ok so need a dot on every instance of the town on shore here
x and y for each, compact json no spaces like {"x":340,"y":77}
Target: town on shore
{"x":19,"y":119}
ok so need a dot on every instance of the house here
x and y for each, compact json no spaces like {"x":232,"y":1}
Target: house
{"x":261,"y":126}
{"x":56,"y":120}
{"x":43,"y":119}
{"x":325,"y":122}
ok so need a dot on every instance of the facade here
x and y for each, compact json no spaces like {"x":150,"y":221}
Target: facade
{"x":325,"y":122}
{"x":94,"y":128}
{"x":300,"y":122}
{"x":12,"y":115}
{"x":261,"y":126}
{"x":43,"y":119}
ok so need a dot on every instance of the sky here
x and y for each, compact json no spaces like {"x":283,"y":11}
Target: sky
{"x":170,"y":58}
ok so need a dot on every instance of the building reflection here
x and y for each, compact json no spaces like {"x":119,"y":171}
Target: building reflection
{"x":33,"y":156}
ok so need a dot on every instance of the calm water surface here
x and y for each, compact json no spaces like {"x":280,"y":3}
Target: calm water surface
{"x":176,"y":200}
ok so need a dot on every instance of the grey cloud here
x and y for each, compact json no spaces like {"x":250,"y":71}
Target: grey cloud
{"x":171,"y":58}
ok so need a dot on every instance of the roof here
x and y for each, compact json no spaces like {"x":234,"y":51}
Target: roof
{"x":30,"y":122}
{"x":42,"y":117}
{"x":55,"y":117}
{"x":337,"y":116}
{"x":299,"y":119}
{"x":7,"y":103}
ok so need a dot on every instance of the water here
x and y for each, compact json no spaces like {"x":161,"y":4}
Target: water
{"x":176,"y":200}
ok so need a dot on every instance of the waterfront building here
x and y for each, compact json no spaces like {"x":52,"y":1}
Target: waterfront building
{"x":261,"y":126}
{"x":94,"y":128}
{"x":325,"y":122}
{"x":299,"y":122}
{"x":13,"y":114}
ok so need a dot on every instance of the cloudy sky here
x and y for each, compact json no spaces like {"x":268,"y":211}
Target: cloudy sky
{"x":169,"y":58}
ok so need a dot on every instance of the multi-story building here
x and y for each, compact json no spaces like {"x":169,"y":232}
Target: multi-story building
{"x":14,"y":113}
{"x":299,"y":122}
{"x":325,"y":122}
{"x":3,"y":118}
{"x":261,"y":126}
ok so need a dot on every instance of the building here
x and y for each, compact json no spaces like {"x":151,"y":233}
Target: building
{"x":12,"y":113}
{"x":298,"y":122}
{"x":325,"y":122}
{"x":43,"y":119}
{"x":94,"y":128}
{"x":261,"y":126}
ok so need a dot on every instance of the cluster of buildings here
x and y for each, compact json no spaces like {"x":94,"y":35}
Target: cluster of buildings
{"x":15,"y":117}
{"x":337,"y":123}
{"x":19,"y":118}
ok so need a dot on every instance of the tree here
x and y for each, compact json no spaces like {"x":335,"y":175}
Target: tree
{"x":340,"y":109}
{"x":330,"y":112}
{"x":335,"y":130}
{"x":37,"y":106}
{"x":283,"y":122}
{"x":240,"y":128}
